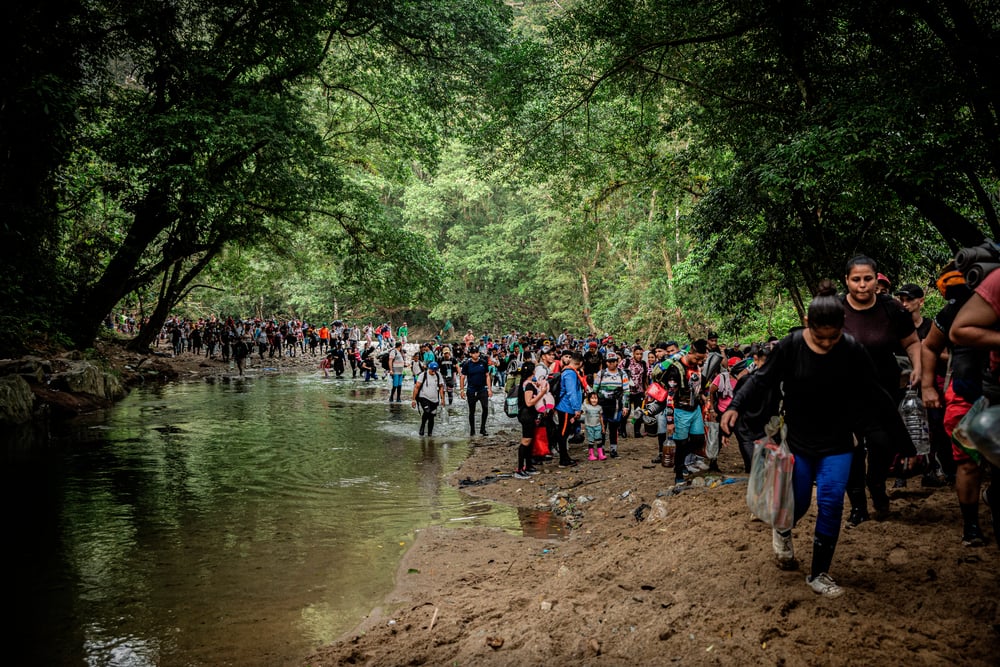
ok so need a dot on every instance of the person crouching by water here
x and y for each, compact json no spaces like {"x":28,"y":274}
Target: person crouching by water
{"x":830,"y":391}
{"x":428,"y":390}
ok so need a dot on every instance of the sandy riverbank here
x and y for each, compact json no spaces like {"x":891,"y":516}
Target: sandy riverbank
{"x":697,"y":586}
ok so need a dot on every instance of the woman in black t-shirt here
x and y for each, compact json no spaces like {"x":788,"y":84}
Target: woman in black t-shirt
{"x":830,"y":391}
{"x":882,"y":326}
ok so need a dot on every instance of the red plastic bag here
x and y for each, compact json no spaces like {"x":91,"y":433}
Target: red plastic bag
{"x":540,"y":444}
{"x":770,"y":495}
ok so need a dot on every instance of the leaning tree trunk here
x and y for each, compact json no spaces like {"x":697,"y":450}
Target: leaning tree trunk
{"x":96,"y":301}
{"x":177,"y":286}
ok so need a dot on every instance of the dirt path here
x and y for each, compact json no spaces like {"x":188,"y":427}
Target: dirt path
{"x":692,"y":583}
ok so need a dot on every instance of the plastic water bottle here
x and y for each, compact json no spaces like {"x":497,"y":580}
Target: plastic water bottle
{"x":911,"y":408}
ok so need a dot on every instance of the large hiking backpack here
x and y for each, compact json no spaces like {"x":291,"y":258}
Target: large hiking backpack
{"x":383,"y":360}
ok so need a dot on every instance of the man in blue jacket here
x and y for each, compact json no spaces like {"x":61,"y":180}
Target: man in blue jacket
{"x":569,"y":404}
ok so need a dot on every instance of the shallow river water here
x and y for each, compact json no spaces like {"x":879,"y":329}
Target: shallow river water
{"x":236,"y":523}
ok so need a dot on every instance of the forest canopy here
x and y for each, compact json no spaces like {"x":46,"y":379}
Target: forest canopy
{"x":641,"y":168}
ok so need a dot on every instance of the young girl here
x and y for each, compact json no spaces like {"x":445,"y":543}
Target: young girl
{"x":593,"y":422}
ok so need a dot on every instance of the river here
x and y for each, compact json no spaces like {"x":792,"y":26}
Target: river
{"x":244,"y":522}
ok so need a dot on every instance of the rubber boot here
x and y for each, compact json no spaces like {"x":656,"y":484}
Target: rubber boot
{"x":822,"y":556}
{"x":600,"y":454}
{"x":590,"y":455}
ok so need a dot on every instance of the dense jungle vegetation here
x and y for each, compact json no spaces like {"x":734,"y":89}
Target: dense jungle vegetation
{"x":640,"y":167}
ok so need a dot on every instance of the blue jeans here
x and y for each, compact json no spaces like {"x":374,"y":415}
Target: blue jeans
{"x":830,"y":474}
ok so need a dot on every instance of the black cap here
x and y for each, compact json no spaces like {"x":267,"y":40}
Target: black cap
{"x":712,"y":335}
{"x":910,"y":291}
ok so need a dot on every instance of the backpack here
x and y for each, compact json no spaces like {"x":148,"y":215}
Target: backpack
{"x":383,"y":360}
{"x":555,"y":385}
{"x":512,"y":405}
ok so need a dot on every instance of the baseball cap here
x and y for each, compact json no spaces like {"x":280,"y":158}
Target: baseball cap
{"x":593,"y":343}
{"x":545,"y":350}
{"x":733,"y":361}
{"x":910,"y":291}
{"x":433,"y":366}
{"x":611,"y":356}
{"x":883,"y":279}
{"x":712,"y":335}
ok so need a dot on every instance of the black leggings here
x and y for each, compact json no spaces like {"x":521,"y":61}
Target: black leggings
{"x":879,"y":451}
{"x":428,"y":409}
{"x":483,"y":398}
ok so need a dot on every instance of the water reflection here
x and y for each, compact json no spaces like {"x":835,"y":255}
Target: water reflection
{"x":234,"y":523}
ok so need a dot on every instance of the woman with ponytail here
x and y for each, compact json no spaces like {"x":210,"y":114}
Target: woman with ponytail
{"x":830,"y":390}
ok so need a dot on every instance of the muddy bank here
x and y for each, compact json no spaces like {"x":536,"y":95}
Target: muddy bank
{"x":650,"y":576}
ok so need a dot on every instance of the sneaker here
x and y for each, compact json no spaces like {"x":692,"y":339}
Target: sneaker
{"x":857,"y":517}
{"x":784,"y":552}
{"x":533,"y":471}
{"x":421,"y":431}
{"x":568,"y":464}
{"x":900,"y":483}
{"x":483,"y":433}
{"x":973,"y":537}
{"x":520,"y":474}
{"x":472,"y":433}
{"x":823,"y":585}
{"x":698,"y":466}
{"x":614,"y":453}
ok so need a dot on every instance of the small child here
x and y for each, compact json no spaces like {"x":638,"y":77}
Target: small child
{"x":326,"y":364}
{"x":593,"y":422}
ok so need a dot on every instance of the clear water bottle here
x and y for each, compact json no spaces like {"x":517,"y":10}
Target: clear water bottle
{"x":911,"y":408}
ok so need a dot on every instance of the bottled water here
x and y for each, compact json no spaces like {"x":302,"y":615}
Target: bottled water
{"x":915,"y":417}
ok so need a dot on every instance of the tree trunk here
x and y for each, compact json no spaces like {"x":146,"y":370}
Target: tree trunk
{"x":955,"y":229}
{"x":97,"y":300}
{"x":585,"y":286}
{"x":174,"y":292}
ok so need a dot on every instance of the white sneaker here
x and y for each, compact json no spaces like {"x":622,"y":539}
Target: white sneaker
{"x":823,"y":585}
{"x":698,"y":465}
{"x":784,"y":552}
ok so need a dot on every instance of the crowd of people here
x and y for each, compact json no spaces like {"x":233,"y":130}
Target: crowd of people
{"x":836,"y":382}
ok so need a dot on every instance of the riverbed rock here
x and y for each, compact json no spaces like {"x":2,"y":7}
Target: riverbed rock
{"x":32,"y":369}
{"x":16,"y":400}
{"x":84,"y":377}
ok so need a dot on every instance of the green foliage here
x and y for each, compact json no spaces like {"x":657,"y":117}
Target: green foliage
{"x":651,"y":169}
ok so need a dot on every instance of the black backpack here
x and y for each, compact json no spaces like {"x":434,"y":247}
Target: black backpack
{"x":383,"y":360}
